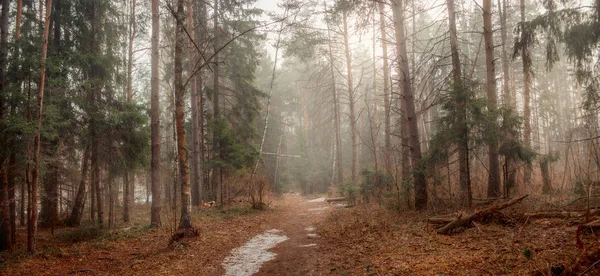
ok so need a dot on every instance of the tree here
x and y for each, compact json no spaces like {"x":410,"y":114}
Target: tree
{"x":494,"y":166}
{"x":185,"y":228}
{"x":420,"y":182}
{"x":33,"y":216}
{"x":386,"y":85}
{"x":351,"y":103}
{"x":5,"y":235}
{"x":155,"y":121}
{"x":461,"y":118}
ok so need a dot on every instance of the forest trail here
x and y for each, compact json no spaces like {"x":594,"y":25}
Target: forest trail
{"x":296,"y":250}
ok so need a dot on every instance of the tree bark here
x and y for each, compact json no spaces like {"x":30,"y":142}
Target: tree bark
{"x":33,"y":216}
{"x":5,"y":235}
{"x":185,"y":222}
{"x":216,"y":179}
{"x":494,"y":166}
{"x":79,"y":204}
{"x":420,"y":181}
{"x":351,"y":103}
{"x":386,"y":87}
{"x":336,"y":112}
{"x":195,"y":160}
{"x":155,"y":120}
{"x":463,"y":141}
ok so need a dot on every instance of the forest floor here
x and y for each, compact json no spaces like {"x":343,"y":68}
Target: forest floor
{"x":320,"y":239}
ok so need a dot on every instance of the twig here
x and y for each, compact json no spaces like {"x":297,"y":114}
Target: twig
{"x":589,"y":268}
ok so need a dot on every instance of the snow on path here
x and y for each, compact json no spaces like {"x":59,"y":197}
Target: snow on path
{"x":247,"y":259}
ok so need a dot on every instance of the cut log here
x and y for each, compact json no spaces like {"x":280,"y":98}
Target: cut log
{"x":335,"y":199}
{"x":466,"y":221}
{"x":438,"y":221}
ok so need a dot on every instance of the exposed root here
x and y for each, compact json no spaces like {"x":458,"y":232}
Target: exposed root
{"x":183,"y":233}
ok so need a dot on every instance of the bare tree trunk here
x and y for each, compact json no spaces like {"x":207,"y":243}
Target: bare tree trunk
{"x":5,"y":235}
{"x":216,"y":179}
{"x":336,"y":112}
{"x":194,"y":105}
{"x":420,"y":181}
{"x":494,"y":166}
{"x":155,"y":120}
{"x":75,"y":218}
{"x":386,"y":86}
{"x":33,"y":216}
{"x":185,"y":223}
{"x":353,"y":130}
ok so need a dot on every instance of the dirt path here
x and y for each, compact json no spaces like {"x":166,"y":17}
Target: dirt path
{"x":296,"y":252}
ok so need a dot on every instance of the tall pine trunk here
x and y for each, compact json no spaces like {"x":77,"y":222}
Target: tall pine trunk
{"x":155,"y":119}
{"x":336,"y":113}
{"x":351,"y":103}
{"x":463,"y":144}
{"x":386,"y":87}
{"x":5,"y":235}
{"x":185,"y":222}
{"x":494,"y":166}
{"x":195,"y":158}
{"x":418,"y":169}
{"x":216,"y":179}
{"x":33,"y":216}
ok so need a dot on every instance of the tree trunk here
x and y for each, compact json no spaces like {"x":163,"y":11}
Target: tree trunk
{"x":195,"y":160}
{"x":420,"y":182}
{"x":463,"y":144}
{"x":155,"y":120}
{"x":386,"y":86}
{"x":33,"y":216}
{"x":527,"y":64}
{"x":79,"y":204}
{"x":12,"y":178}
{"x":351,"y":103}
{"x":95,"y":180}
{"x":5,"y":235}
{"x":494,"y":165}
{"x":547,"y":186}
{"x":185,"y":222}
{"x":216,"y":179}
{"x":336,"y":112}
{"x":129,"y":178}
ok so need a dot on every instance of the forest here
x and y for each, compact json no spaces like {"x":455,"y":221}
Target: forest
{"x":299,"y":137}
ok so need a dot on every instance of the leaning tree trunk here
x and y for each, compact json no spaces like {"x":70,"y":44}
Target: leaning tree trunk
{"x":79,"y":204}
{"x":420,"y":182}
{"x":33,"y":216}
{"x":155,"y":120}
{"x":185,"y":222}
{"x":494,"y":165}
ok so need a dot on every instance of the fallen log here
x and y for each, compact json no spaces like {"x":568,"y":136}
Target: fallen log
{"x":466,"y":221}
{"x":561,"y":214}
{"x":335,"y":199}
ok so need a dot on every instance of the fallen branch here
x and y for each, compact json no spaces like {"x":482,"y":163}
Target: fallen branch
{"x":464,"y":222}
{"x":335,"y":199}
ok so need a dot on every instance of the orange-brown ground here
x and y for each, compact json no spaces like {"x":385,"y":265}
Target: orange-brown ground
{"x":351,"y":241}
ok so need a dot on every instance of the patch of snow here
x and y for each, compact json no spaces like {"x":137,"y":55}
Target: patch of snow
{"x":247,"y":259}
{"x":320,"y":199}
{"x":317,"y":209}
{"x":310,"y":229}
{"x":308,"y":245}
{"x":312,"y":235}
